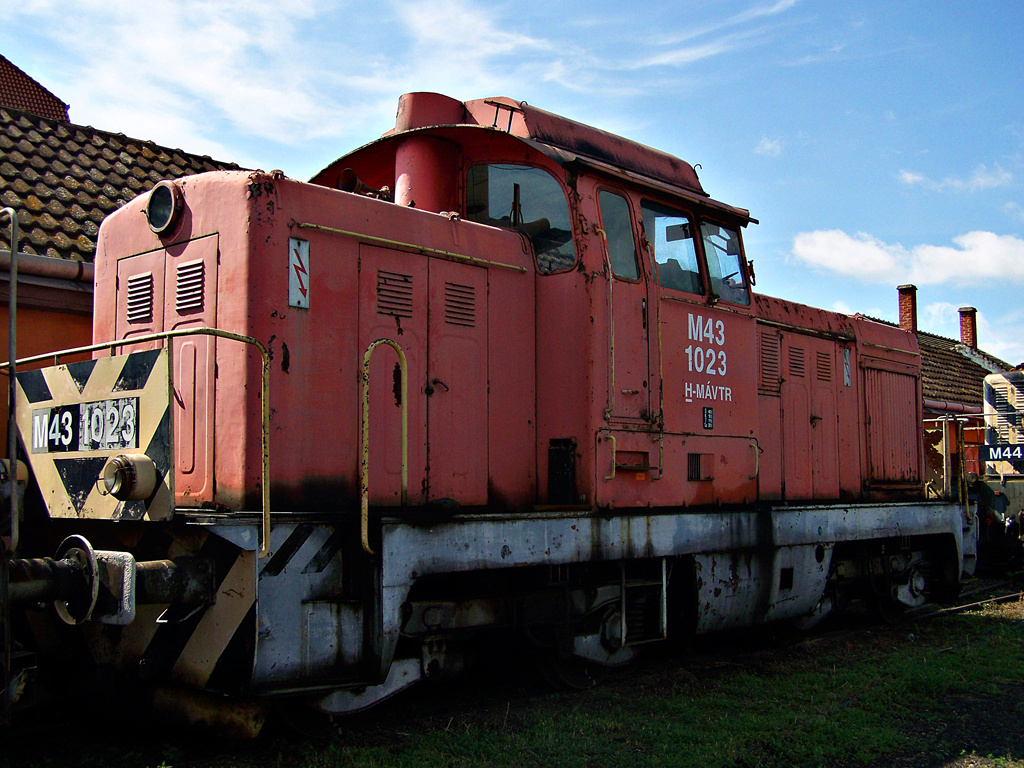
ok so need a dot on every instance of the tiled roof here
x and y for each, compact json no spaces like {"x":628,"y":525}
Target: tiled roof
{"x":949,"y":375}
{"x":19,"y":91}
{"x":63,"y":179}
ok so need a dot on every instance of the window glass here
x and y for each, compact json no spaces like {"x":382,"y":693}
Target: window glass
{"x":725,"y":263}
{"x":618,"y":229}
{"x":670,"y":233}
{"x":528,"y":200}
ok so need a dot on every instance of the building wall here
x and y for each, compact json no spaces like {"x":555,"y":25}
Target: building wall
{"x":40,"y":331}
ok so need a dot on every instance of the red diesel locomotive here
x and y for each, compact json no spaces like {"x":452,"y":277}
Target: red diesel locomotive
{"x":495,"y":371}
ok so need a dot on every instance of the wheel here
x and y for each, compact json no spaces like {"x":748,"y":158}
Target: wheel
{"x":569,"y":672}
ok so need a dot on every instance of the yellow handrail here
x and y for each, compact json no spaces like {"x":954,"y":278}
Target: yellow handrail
{"x":265,"y":392}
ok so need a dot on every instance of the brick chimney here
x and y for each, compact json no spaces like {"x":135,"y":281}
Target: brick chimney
{"x":908,"y":307}
{"x":969,"y":327}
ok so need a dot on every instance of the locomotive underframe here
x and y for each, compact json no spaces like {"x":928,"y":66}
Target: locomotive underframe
{"x":312,"y":617}
{"x":321,"y":619}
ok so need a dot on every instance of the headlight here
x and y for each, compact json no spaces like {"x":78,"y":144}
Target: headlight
{"x":164,"y":206}
{"x":128,"y":476}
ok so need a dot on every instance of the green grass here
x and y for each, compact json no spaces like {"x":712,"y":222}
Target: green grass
{"x":921,"y":694}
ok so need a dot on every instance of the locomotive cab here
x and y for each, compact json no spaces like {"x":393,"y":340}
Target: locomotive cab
{"x":642,"y":294}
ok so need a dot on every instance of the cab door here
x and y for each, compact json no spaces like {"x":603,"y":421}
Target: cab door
{"x":456,"y":383}
{"x":629,"y":310}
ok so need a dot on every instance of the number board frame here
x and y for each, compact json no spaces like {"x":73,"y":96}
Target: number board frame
{"x":82,"y":399}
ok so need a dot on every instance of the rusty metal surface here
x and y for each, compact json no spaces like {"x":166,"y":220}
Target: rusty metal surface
{"x":532,"y":401}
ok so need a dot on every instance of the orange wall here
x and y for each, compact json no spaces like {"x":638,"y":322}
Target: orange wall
{"x":39,"y":331}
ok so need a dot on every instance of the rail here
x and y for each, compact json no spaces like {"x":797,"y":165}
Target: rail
{"x":364,"y":439}
{"x":160,"y":336}
{"x":411,"y":246}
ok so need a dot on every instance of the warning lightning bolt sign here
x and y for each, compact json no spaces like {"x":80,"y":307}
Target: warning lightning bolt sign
{"x":298,"y":273}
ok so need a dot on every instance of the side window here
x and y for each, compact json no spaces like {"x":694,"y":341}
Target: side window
{"x":670,"y":234}
{"x":528,"y":200}
{"x":725,"y":263}
{"x":618,"y":229}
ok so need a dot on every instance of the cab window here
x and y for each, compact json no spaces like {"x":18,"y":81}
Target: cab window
{"x":526,"y":199}
{"x":670,"y":234}
{"x":618,"y":231}
{"x":725,"y":263}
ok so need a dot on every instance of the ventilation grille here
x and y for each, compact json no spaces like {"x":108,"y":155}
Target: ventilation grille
{"x":140,"y":298}
{"x":797,"y":365}
{"x":1008,"y":418}
{"x":460,"y":305}
{"x":394,"y":294}
{"x":189,"y":292}
{"x":699,"y":466}
{"x":824,"y":366}
{"x":771,"y":354}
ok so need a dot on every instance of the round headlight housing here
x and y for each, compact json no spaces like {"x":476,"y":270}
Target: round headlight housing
{"x":163,"y":207}
{"x":128,"y":476}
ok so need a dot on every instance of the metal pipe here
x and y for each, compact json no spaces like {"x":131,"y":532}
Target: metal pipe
{"x":47,"y":266}
{"x":185,"y":581}
{"x":942,"y":405}
{"x":41,"y":580}
{"x":411,"y":246}
{"x":12,"y":445}
{"x":12,"y":385}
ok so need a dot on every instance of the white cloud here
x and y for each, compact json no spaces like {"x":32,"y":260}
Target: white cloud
{"x":181,"y":71}
{"x":982,"y":178}
{"x":974,"y":258}
{"x":1014,"y":210}
{"x":444,"y":28}
{"x":769,"y":147}
{"x":940,"y":317}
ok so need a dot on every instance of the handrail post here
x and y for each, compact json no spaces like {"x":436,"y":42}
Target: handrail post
{"x":364,"y":439}
{"x":12,"y":352}
{"x":12,"y":478}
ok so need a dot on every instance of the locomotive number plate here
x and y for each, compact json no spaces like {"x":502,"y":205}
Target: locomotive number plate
{"x":98,"y":426}
{"x":1010,"y":452}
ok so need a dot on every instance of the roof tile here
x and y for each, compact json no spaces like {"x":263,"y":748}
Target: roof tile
{"x":63,"y":179}
{"x":21,"y":92}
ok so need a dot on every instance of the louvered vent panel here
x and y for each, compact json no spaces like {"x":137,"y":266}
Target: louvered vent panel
{"x":394,"y":294}
{"x":140,"y":298}
{"x":189,"y":292}
{"x":797,"y":364}
{"x":771,"y":369}
{"x":824,"y":366}
{"x":1007,"y":416}
{"x":460,"y":305}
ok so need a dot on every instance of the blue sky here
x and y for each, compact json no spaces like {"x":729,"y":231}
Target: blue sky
{"x":878,"y":143}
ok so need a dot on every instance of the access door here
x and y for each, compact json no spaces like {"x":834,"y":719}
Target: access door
{"x":629,"y":311}
{"x":456,"y":383}
{"x":810,"y":420}
{"x":434,"y":312}
{"x":171,"y":289}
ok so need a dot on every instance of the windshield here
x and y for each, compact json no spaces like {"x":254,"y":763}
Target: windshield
{"x":725,"y":263}
{"x":670,"y":234}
